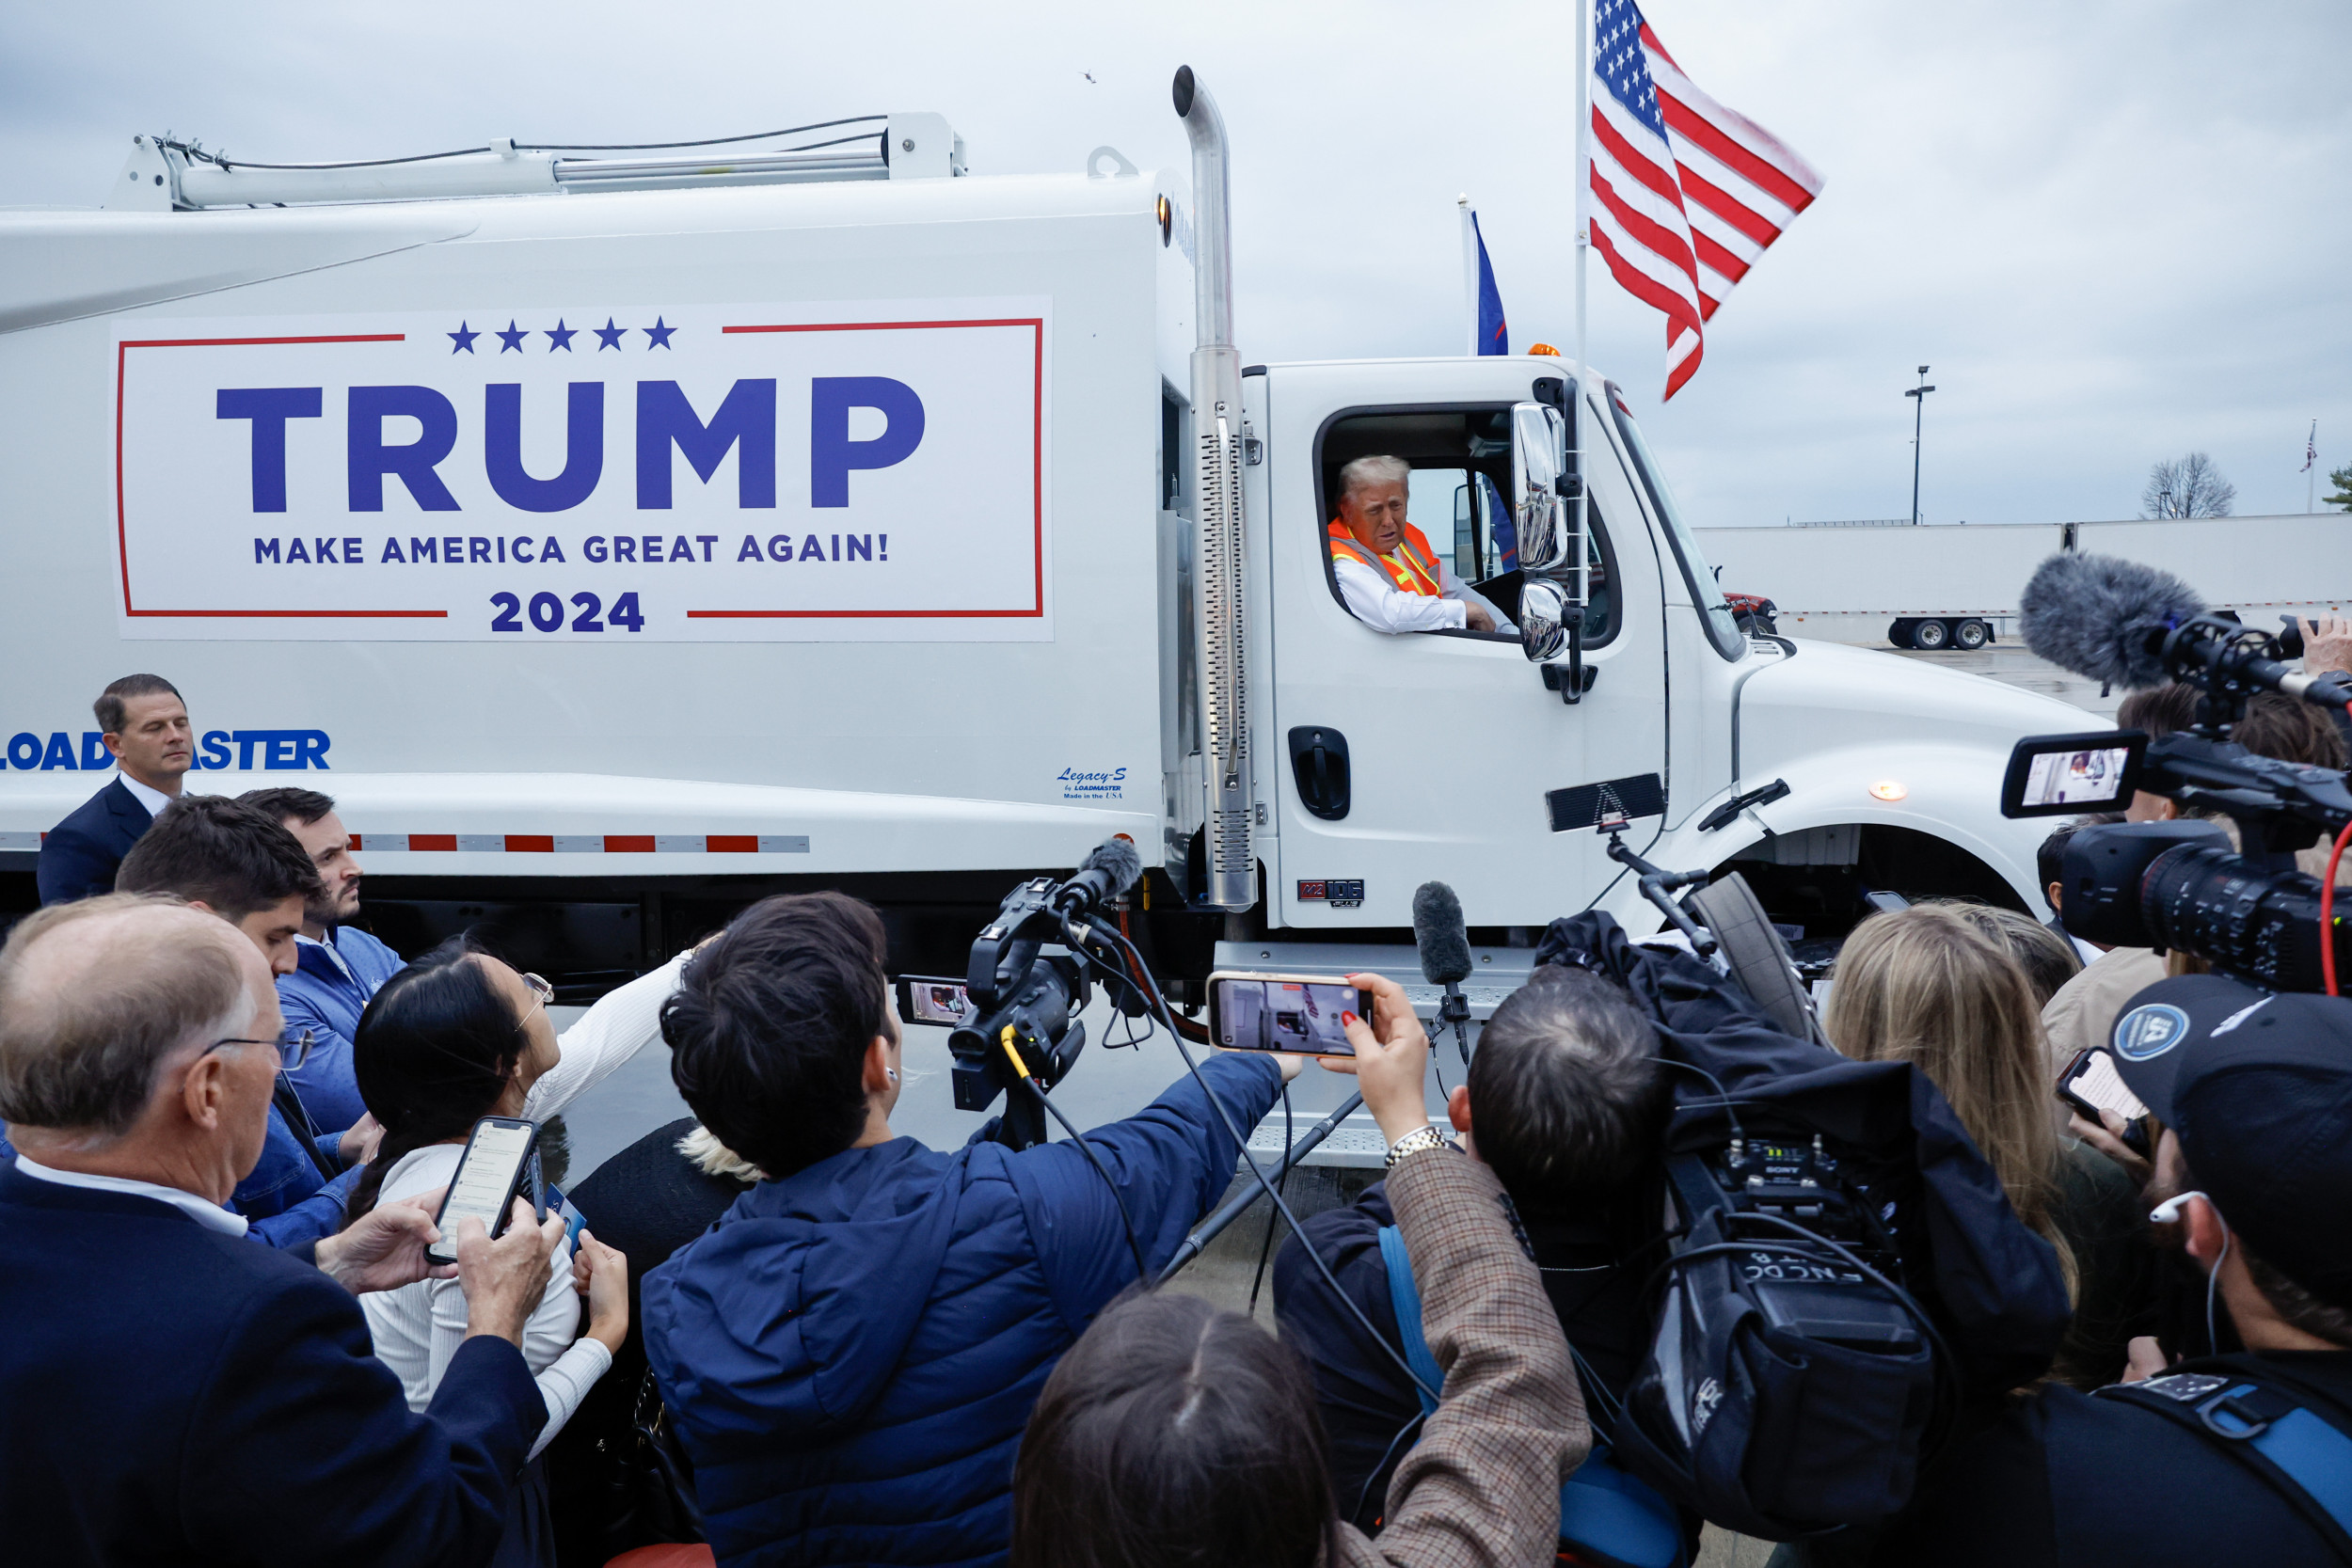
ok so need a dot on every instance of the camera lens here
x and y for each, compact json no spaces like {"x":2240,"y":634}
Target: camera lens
{"x":2260,"y":925}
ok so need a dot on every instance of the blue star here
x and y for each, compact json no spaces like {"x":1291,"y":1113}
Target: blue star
{"x":562,"y":337}
{"x":463,"y":339}
{"x":608,"y":336}
{"x":513,"y":337}
{"x":659,"y":333}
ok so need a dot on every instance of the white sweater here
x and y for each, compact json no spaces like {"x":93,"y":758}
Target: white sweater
{"x":417,"y":1327}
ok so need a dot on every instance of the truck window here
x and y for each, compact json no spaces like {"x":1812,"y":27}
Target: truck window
{"x":1460,"y":474}
{"x":1722,"y":630}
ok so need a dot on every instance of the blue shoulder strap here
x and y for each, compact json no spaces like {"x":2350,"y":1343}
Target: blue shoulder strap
{"x":2298,"y":1452}
{"x":1603,"y":1507}
{"x":1404,"y":1296}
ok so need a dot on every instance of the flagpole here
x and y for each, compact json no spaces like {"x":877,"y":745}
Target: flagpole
{"x":1470,"y":276}
{"x":1583,"y":250}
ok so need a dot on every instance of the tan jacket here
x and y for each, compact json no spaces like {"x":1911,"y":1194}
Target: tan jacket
{"x":2083,"y":1011}
{"x":1481,"y":1486}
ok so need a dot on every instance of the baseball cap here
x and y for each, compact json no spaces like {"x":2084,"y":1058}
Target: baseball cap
{"x":2258,"y":1087}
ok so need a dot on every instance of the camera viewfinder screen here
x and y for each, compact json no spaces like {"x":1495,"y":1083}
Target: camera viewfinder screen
{"x":1285,"y":1015}
{"x":2090,"y":777}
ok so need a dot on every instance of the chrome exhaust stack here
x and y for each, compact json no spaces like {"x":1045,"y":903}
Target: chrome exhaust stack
{"x":1223,"y":622}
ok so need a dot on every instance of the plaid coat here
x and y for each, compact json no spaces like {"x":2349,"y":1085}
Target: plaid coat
{"x":1481,"y":1486}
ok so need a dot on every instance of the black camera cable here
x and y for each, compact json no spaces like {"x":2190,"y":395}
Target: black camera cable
{"x":1126,"y":1222}
{"x":1153,"y":999}
{"x":1281,"y":1183}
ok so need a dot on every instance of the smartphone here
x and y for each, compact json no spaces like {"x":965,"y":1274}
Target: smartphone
{"x":2092,"y":1084}
{"x":499,"y":1157}
{"x":931,"y":999}
{"x":1283,"y":1012}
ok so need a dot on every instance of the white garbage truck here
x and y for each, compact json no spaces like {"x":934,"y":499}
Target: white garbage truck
{"x":619,"y":539}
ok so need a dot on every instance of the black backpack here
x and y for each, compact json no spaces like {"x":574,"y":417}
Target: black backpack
{"x":1841,"y":1273}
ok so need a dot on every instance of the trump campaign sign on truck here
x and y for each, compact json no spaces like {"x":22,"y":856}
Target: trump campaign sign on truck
{"x":690,"y":473}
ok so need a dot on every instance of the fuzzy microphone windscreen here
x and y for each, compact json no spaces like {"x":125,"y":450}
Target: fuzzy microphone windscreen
{"x":2105,"y":617}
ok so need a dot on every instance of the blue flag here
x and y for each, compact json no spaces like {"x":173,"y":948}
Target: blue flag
{"x":1494,"y":333}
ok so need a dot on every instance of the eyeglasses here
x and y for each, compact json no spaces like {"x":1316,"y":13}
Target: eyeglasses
{"x":540,"y":986}
{"x":293,"y":1047}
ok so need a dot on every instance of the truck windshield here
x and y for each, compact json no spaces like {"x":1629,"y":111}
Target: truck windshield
{"x":1721,"y":630}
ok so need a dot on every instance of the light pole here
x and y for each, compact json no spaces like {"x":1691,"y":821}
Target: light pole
{"x":1918,"y":408}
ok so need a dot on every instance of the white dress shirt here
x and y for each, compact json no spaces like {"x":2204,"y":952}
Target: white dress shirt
{"x":1375,"y":600}
{"x":153,"y":799}
{"x":202,"y":1211}
{"x":417,"y":1328}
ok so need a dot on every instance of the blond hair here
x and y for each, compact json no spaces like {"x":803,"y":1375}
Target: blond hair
{"x":1927,"y":985}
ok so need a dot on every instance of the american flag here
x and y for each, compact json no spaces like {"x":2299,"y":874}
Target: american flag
{"x":1686,"y":193}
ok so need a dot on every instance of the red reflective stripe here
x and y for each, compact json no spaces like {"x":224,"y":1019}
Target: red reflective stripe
{"x":431,"y":841}
{"x":355,"y":841}
{"x":732,"y":843}
{"x":531,"y":844}
{"x":628,"y":843}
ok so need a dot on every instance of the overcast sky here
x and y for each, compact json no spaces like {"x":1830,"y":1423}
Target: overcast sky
{"x":2117,"y":230}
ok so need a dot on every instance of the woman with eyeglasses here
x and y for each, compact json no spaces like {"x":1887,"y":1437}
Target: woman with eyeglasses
{"x":455,"y":1037}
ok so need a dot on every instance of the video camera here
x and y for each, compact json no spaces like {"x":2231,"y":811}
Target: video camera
{"x":2250,"y":913}
{"x":1018,"y":1021}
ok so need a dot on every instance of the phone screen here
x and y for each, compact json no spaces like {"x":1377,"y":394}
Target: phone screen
{"x":1265,"y":1012}
{"x":2091,"y":1079}
{"x":484,"y":1181}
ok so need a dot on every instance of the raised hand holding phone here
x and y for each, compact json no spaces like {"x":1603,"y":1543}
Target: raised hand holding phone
{"x":1391,"y":1057}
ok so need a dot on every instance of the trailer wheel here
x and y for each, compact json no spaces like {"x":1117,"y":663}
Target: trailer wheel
{"x":1929,"y":636}
{"x":1899,"y":633}
{"x":1972,"y":635}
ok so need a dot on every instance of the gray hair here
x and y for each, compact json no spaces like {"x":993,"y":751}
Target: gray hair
{"x":1374,"y":470}
{"x":96,"y":995}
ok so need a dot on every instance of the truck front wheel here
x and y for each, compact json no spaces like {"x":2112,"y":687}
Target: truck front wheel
{"x":1972,"y":635}
{"x":1929,"y":636}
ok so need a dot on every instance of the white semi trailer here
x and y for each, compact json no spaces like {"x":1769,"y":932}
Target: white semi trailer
{"x":1957,"y":585}
{"x":621,"y":540}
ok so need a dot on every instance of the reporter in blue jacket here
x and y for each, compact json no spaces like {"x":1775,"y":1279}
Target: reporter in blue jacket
{"x":338,"y":967}
{"x":851,"y":1353}
{"x":168,"y":1393}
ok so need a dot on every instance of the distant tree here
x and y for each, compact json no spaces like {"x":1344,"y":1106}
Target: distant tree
{"x":2190,"y":486}
{"x":2340,"y":488}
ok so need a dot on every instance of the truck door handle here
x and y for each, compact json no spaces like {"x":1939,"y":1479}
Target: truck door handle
{"x":1319,"y":763}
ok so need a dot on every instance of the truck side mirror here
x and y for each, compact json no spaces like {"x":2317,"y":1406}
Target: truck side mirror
{"x":1540,"y":487}
{"x":1543,"y":619}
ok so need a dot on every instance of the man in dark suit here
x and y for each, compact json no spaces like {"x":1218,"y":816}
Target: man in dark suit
{"x":146,"y":728}
{"x":169,"y":1393}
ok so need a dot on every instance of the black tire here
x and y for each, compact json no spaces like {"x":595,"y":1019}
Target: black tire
{"x":1899,"y":633}
{"x":1971,"y":635}
{"x":1932,"y":636}
{"x":1758,"y":959}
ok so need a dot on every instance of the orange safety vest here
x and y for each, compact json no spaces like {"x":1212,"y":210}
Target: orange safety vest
{"x":1412,"y":565}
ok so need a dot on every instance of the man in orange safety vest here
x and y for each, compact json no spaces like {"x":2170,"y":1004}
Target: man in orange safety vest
{"x":1387,"y":575}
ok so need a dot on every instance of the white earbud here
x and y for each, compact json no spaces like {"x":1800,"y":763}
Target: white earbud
{"x":2168,"y":1211}
{"x":892,"y":1072}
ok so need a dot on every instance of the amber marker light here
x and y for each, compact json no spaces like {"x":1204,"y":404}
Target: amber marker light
{"x":1888,"y":789}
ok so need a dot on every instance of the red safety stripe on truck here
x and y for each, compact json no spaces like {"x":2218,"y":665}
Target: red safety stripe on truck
{"x":583,"y":844}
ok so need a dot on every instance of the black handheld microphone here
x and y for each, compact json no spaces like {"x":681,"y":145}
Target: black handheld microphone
{"x":1443,"y":942}
{"x":1110,"y":868}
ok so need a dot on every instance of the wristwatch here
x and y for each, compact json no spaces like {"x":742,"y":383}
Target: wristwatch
{"x":1417,"y":1140}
